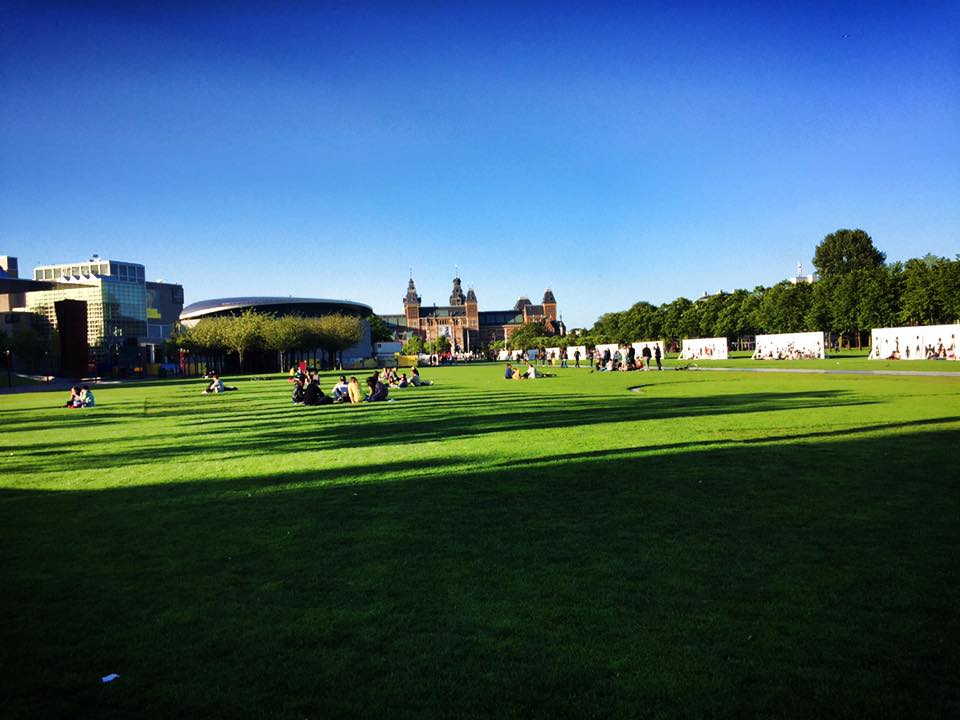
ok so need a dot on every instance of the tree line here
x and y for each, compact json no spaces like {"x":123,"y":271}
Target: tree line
{"x":251,"y":331}
{"x":856,"y":291}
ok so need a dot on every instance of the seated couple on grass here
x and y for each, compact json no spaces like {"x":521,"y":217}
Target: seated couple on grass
{"x":531,"y":373}
{"x":80,"y":397}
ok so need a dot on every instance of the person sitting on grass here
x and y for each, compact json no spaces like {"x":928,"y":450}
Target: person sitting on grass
{"x":509,"y":372}
{"x":313,"y":394}
{"x":74,"y":400}
{"x":378,"y":391}
{"x":85,"y":399}
{"x":400,"y":382}
{"x":354,"y":391}
{"x":341,"y":391}
{"x":298,"y":391}
{"x":416,"y":380}
{"x":216,"y":385}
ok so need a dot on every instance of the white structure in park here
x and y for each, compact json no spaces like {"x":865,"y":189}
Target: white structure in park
{"x":652,"y":344}
{"x":704,"y":349}
{"x":790,"y":346}
{"x":933,"y":342}
{"x":572,"y":349}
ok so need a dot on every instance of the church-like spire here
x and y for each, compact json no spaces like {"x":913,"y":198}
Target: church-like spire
{"x":457,"y":297}
{"x":411,"y":296}
{"x":471,"y":296}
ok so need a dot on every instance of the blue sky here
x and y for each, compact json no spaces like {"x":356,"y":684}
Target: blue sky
{"x":615,"y":152}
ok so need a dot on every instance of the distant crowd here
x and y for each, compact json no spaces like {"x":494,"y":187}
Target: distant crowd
{"x":307,"y":390}
{"x":626,"y":359}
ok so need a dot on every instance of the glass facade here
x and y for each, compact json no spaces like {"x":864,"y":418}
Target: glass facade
{"x":116,"y":310}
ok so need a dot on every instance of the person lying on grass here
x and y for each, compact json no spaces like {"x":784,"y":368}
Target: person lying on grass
{"x":416,"y":380}
{"x":216,"y":385}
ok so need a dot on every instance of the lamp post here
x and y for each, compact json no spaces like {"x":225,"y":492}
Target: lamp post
{"x":9,"y":374}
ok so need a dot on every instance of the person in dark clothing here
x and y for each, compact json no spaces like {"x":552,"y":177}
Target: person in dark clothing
{"x":631,"y":357}
{"x":646,"y":356}
{"x":378,"y":391}
{"x":313,"y":394}
{"x":656,"y":356}
{"x":298,"y":391}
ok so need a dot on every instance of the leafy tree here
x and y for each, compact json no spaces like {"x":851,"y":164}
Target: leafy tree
{"x":526,"y":336}
{"x":337,"y":332}
{"x":733,"y":318}
{"x":379,"y":330}
{"x":413,"y":346}
{"x":243,"y":333}
{"x":284,"y":334}
{"x":920,"y":301}
{"x":784,"y":308}
{"x":442,"y":345}
{"x":878,"y":295}
{"x":672,"y":318}
{"x":844,"y":251}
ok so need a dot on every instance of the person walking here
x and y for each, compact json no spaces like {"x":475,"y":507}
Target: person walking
{"x":576,"y":357}
{"x":563,"y":357}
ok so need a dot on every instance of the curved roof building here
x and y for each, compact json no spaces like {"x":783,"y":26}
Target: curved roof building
{"x":308,"y":307}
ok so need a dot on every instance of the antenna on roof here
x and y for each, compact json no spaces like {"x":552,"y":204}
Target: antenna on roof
{"x":456,"y":271}
{"x":411,"y":272}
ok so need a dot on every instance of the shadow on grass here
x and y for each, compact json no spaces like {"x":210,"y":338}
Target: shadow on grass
{"x":805,"y":580}
{"x":229,"y":431}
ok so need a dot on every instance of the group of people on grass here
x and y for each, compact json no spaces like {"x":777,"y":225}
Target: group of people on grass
{"x":307,"y":390}
{"x":626,"y":359}
{"x":530,"y":373}
{"x":80,"y":397}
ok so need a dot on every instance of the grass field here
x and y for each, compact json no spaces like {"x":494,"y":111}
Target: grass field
{"x":715,"y":544}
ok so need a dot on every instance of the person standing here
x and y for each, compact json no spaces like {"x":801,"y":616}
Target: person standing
{"x":646,"y":356}
{"x":576,"y":357}
{"x":563,"y":357}
{"x":656,"y":356}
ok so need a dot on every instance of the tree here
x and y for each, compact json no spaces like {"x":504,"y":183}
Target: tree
{"x":844,"y":251}
{"x":784,"y":308}
{"x":379,"y":330}
{"x":413,"y":346}
{"x":336,"y":333}
{"x":526,"y":336}
{"x":672,"y":318}
{"x":244,"y":332}
{"x":284,"y":334}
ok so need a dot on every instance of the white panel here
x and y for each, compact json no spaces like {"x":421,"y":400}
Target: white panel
{"x":704,"y":349}
{"x":790,"y":346}
{"x":915,"y":343}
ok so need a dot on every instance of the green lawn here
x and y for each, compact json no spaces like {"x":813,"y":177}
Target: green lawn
{"x":716,"y":544}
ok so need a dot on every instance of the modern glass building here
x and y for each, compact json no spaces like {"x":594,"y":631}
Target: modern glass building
{"x":126,"y":317}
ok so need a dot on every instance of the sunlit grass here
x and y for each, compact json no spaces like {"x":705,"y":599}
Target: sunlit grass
{"x":714,"y":543}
